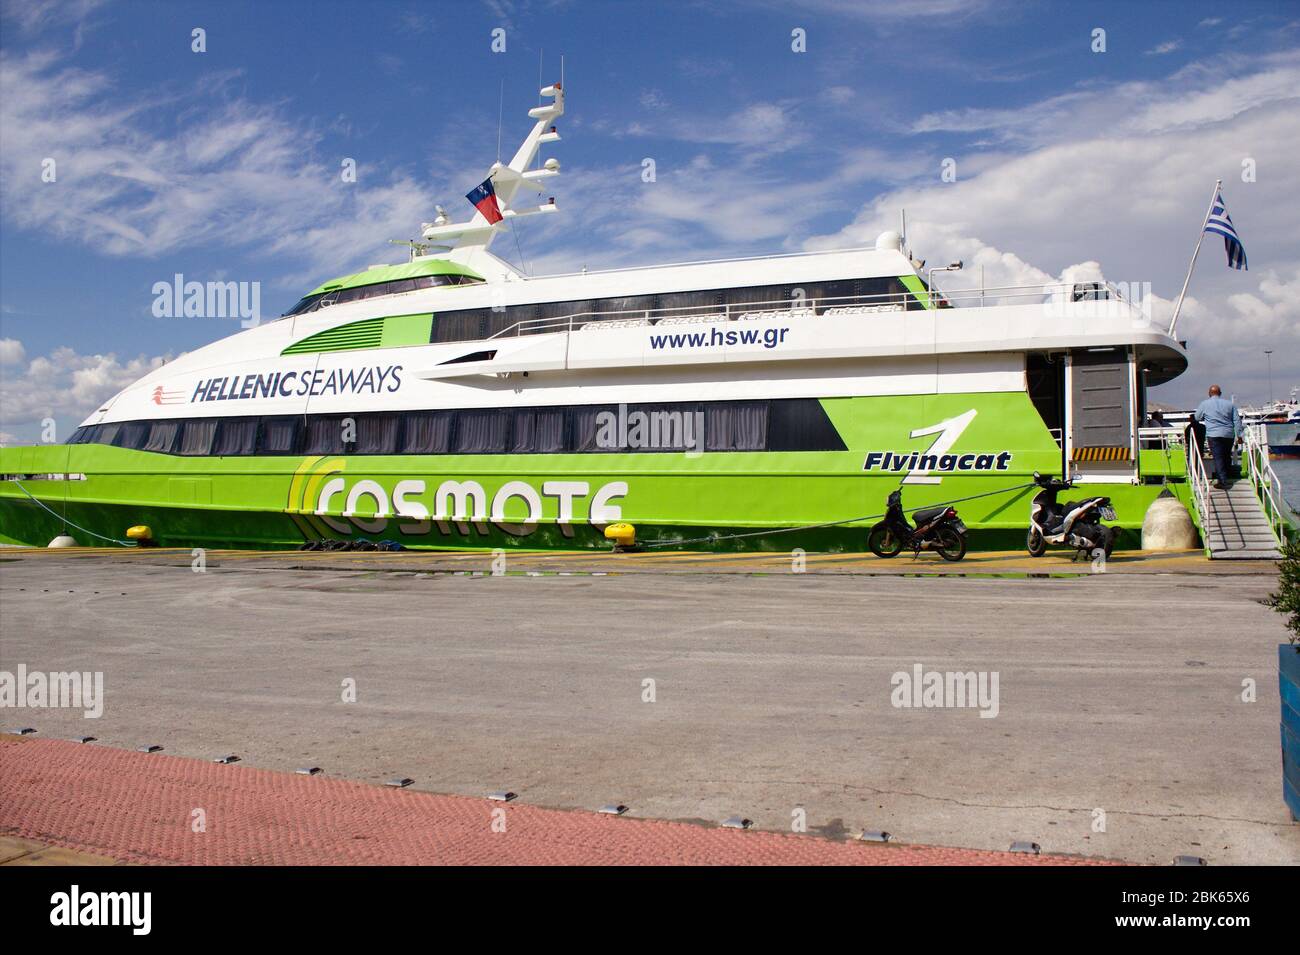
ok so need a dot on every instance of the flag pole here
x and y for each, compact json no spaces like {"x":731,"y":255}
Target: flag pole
{"x":1199,"y":239}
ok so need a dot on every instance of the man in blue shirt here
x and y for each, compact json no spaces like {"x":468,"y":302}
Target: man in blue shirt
{"x":1222,"y":423}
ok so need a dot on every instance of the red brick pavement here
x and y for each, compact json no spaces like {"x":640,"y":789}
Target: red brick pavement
{"x":138,"y":807}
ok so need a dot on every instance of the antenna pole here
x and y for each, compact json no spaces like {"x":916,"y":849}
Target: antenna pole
{"x":1199,"y":239}
{"x":501,"y":105}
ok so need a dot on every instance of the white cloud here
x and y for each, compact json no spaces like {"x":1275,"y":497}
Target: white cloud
{"x":761,"y":128}
{"x":1202,"y":94}
{"x":239,"y":174}
{"x":1129,"y":192}
{"x":34,"y":16}
{"x":64,"y":384}
{"x":1160,"y":49}
{"x":938,"y":12}
{"x":12,"y":351}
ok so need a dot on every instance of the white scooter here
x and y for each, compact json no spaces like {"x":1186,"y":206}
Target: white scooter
{"x":1076,"y":524}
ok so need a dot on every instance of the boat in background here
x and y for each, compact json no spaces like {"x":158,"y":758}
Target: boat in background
{"x":1281,"y":421}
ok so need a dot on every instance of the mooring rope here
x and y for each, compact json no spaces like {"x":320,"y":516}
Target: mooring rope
{"x":812,"y":527}
{"x":64,"y":519}
{"x":669,"y":543}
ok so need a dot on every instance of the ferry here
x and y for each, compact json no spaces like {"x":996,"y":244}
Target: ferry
{"x":773,"y":402}
{"x":1281,"y":421}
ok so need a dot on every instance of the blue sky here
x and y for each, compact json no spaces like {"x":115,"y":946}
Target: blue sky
{"x":225,"y":164}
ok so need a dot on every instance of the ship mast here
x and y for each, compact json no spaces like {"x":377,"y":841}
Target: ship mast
{"x":467,"y":242}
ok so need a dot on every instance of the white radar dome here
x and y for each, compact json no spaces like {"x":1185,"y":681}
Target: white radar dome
{"x":887,"y":241}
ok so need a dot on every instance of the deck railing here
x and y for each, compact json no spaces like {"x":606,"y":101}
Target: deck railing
{"x":1056,"y":293}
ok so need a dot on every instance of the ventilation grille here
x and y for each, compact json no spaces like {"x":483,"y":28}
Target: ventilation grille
{"x":368,"y":333}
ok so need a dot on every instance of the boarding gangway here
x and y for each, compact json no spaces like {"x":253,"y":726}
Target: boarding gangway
{"x":1245,"y":521}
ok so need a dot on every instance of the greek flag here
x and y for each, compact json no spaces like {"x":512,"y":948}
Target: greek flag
{"x":1220,"y":223}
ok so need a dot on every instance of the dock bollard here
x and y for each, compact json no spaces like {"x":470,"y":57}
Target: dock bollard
{"x":623,"y":535}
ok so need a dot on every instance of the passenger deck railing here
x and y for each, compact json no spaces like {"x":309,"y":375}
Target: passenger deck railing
{"x":1165,"y":439}
{"x":1268,"y":488}
{"x":1058,"y":293}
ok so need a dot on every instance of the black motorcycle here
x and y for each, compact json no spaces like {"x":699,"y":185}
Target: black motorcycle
{"x":937,"y":528}
{"x":1075,"y":524}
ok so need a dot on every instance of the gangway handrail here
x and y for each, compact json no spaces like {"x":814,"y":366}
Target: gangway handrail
{"x":1267,"y":485}
{"x":1200,"y":483}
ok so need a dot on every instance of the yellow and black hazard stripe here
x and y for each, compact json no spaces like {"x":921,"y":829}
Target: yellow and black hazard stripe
{"x":1102,"y":454}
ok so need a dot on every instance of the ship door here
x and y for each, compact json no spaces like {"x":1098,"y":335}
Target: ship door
{"x":1101,"y":424}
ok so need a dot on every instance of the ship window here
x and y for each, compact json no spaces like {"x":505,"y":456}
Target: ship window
{"x":498,"y":320}
{"x":376,"y":434}
{"x":790,"y":424}
{"x":736,"y":426}
{"x":586,"y":434}
{"x":538,"y":431}
{"x":236,"y":436}
{"x":754,"y":295}
{"x":801,"y":424}
{"x":311,"y":303}
{"x":459,"y":326}
{"x":629,"y":303}
{"x":197,"y":435}
{"x":132,"y":435}
{"x":352,"y":295}
{"x":708,"y":301}
{"x":279,"y":435}
{"x":426,"y":432}
{"x":324,"y":435}
{"x":163,"y":436}
{"x":305,"y":304}
{"x":563,"y":309}
{"x":481,"y":432}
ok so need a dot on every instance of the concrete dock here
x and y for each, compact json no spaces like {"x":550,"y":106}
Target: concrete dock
{"x":1124,"y":726}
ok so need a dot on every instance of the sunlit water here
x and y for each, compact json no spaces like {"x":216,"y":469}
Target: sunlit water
{"x":1288,"y":472}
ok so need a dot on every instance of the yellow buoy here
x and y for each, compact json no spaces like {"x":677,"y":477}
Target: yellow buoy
{"x":141,"y":533}
{"x":622,"y":534}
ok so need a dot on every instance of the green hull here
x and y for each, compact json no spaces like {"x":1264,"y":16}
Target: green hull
{"x":712,"y":500}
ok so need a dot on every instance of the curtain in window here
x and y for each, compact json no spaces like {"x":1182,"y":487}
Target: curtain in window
{"x":324,"y":435}
{"x":736,"y":426}
{"x":586,"y":427}
{"x":197,"y":435}
{"x":236,"y":436}
{"x":162,"y":437}
{"x":376,"y":434}
{"x":481,"y":432}
{"x":279,"y":435}
{"x":538,"y":431}
{"x":426,"y":432}
{"x":132,"y":434}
